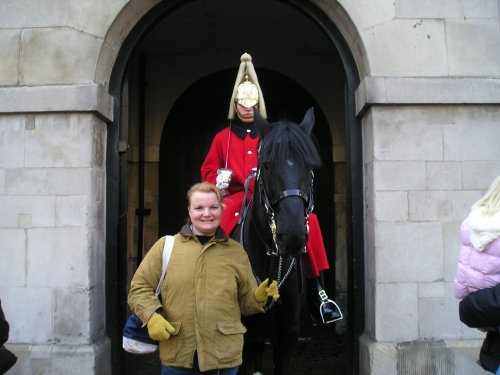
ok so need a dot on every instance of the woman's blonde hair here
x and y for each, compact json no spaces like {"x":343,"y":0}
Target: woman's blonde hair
{"x":204,"y":187}
{"x":490,"y":202}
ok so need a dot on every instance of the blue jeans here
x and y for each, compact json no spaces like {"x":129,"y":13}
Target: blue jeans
{"x":170,"y":370}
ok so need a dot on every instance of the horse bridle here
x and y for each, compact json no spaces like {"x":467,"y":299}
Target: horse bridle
{"x":270,"y":203}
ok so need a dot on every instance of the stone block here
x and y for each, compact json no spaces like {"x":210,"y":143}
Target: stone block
{"x":9,"y":45}
{"x":404,"y":134}
{"x":94,"y":17}
{"x":369,"y":193}
{"x":471,"y":140}
{"x":366,"y":16}
{"x":428,"y":9}
{"x":63,"y":141}
{"x":13,"y":255}
{"x":408,"y":252}
{"x":97,"y":257}
{"x":481,"y":8}
{"x":367,"y":137}
{"x":58,"y":256}
{"x":370,"y":314}
{"x":421,"y":90}
{"x":431,"y":290}
{"x":40,"y":208}
{"x":105,"y":63}
{"x":465,"y":355}
{"x":57,"y":56}
{"x":73,"y":211}
{"x":2,"y":181}
{"x":377,"y":358}
{"x":31,"y":306}
{"x":23,"y":365}
{"x":406,"y":47}
{"x":444,"y":176}
{"x":11,"y":141}
{"x":391,"y":206}
{"x":451,"y":247}
{"x":442,"y":206}
{"x":68,"y":303}
{"x":62,"y":98}
{"x":438,"y":317}
{"x":33,"y":13}
{"x":479,"y":174}
{"x":396,"y":312}
{"x":69,"y":181}
{"x":123,"y":23}
{"x":370,"y":253}
{"x":23,"y":181}
{"x":370,"y":90}
{"x":471,"y":333}
{"x":399,"y":175}
{"x":82,"y":359}
{"x":24,"y":221}
{"x":97,"y":310}
{"x":473,"y":47}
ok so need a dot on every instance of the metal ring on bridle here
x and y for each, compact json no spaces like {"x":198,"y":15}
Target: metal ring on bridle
{"x":268,"y":205}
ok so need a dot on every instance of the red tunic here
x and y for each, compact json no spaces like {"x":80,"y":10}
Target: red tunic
{"x":241,"y":158}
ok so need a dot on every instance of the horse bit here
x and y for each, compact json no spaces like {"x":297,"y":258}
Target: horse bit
{"x":269,"y":204}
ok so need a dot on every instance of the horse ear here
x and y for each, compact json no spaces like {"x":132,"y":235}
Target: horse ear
{"x":308,"y":121}
{"x":261,"y":124}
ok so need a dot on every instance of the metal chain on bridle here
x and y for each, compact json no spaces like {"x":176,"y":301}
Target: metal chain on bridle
{"x":273,"y":250}
{"x":270,"y":203}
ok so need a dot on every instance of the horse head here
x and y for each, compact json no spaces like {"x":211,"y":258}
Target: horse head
{"x":284,"y":183}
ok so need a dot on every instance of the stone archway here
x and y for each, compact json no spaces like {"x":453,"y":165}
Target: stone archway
{"x":338,"y":104}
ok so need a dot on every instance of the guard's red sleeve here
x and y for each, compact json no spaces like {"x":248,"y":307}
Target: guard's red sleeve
{"x":213,"y":161}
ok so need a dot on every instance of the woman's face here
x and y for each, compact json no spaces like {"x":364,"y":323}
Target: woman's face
{"x":205,"y":212}
{"x":244,"y":114}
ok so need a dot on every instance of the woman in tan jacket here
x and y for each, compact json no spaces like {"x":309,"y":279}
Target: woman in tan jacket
{"x":208,"y":286}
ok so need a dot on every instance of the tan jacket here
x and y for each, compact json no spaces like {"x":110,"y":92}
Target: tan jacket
{"x":206,"y":290}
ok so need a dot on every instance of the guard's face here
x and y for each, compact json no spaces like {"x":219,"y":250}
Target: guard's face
{"x":244,"y":114}
{"x":205,"y":212}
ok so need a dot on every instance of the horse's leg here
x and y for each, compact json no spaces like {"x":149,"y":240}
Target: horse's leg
{"x":262,"y":332}
{"x":286,"y":327}
{"x":253,"y":348}
{"x":258,"y":359}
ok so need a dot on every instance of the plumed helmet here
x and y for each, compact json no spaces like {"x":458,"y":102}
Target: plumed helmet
{"x":246,"y":90}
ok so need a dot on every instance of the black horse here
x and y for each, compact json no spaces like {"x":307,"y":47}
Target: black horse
{"x":274,"y":232}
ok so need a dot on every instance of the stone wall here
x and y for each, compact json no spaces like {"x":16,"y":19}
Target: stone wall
{"x":53,"y":235}
{"x":428,"y":104}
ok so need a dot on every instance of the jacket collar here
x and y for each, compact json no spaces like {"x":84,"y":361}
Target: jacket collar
{"x":187,"y":231}
{"x":241,"y":129}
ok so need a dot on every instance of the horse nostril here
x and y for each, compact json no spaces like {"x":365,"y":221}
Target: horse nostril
{"x":291,"y":244}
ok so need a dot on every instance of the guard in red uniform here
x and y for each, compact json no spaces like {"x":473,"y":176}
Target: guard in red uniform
{"x":230,"y":160}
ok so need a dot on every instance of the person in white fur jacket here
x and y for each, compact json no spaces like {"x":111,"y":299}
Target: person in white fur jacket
{"x":479,"y":262}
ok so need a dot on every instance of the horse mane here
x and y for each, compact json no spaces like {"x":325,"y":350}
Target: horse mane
{"x":287,"y":141}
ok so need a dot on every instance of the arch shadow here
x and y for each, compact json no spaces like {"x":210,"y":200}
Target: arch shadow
{"x":116,"y":164}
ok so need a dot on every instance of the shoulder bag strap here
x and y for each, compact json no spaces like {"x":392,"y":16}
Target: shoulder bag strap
{"x":167,"y":250}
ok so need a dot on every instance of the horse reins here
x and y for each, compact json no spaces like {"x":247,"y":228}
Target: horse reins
{"x":268,"y":205}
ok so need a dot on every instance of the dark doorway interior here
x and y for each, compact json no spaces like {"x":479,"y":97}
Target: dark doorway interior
{"x":202,"y":111}
{"x":197,"y":115}
{"x":285,"y":28}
